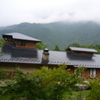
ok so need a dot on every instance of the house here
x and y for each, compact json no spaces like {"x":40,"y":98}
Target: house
{"x":20,"y":51}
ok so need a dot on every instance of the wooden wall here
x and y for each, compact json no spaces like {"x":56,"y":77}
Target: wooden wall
{"x":71,"y":70}
{"x":98,"y":73}
{"x":33,"y":67}
{"x":10,"y":42}
{"x":81,"y":53}
{"x":24,"y":67}
{"x":27,"y":45}
{"x":86,"y":73}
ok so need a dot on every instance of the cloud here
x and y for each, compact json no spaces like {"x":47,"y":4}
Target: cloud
{"x":45,"y":11}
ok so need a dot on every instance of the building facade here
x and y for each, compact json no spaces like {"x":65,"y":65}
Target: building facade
{"x":20,"y":51}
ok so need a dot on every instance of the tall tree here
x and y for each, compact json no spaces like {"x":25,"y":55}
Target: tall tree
{"x":57,"y":48}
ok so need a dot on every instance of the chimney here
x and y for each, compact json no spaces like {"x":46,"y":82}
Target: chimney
{"x":45,"y":56}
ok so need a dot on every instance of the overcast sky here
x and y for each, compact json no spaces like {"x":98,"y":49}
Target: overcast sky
{"x":46,"y":11}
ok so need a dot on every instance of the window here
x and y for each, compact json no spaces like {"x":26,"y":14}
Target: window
{"x":92,"y":73}
{"x":89,"y":53}
{"x":22,"y":43}
{"x":9,"y":39}
{"x":75,"y":71}
{"x":30,"y":42}
{"x":78,"y":52}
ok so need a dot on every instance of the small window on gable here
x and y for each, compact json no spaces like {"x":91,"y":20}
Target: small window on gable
{"x":89,"y":53}
{"x":22,"y":43}
{"x":30,"y":42}
{"x":5,"y":39}
{"x":92,"y":73}
{"x":81,"y":52}
{"x":10,"y":39}
{"x":76,"y":52}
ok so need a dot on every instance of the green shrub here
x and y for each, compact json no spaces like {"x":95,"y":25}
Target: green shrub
{"x":3,"y":73}
{"x":94,"y":86}
{"x":44,"y":84}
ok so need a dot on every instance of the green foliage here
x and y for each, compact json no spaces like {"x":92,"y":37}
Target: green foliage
{"x":3,"y":73}
{"x":2,"y":41}
{"x":57,"y":48}
{"x":81,"y":45}
{"x":74,"y":45}
{"x":76,"y":95}
{"x":44,"y":84}
{"x":59,"y":33}
{"x":41,"y":46}
{"x":95,"y":90}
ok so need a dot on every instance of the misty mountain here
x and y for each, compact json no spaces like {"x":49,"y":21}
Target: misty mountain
{"x":59,"y":33}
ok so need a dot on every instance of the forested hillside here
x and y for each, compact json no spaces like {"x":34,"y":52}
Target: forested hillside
{"x":58,"y":33}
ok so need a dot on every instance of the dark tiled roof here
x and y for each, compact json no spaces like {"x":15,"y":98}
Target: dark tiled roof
{"x":82,"y":49}
{"x":55,"y":58}
{"x":20,"y":37}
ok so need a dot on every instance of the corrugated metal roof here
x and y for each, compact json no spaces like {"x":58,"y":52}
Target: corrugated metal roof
{"x":82,"y":49}
{"x":55,"y":58}
{"x":21,"y":36}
